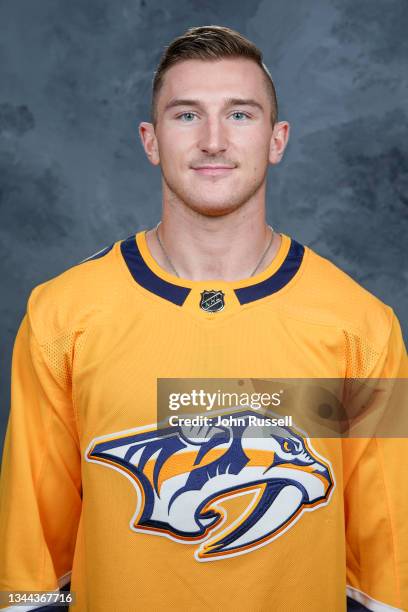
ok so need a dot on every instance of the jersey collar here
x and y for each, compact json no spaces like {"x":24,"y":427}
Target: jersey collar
{"x":147,"y":273}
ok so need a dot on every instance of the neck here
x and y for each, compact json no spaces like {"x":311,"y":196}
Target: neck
{"x":227,"y":247}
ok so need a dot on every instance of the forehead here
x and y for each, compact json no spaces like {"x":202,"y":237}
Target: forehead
{"x":214,"y":80}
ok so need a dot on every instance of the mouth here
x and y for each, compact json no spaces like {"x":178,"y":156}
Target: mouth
{"x":216,"y":170}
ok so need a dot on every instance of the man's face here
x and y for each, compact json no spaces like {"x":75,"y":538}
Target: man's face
{"x":213,"y":133}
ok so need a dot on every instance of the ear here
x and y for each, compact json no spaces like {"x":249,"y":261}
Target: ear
{"x":149,"y":142}
{"x":279,"y":140}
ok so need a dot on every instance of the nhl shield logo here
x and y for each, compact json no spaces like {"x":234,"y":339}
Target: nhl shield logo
{"x":212,"y":301}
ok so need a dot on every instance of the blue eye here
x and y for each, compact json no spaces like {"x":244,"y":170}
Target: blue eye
{"x":243,"y":115}
{"x":186,"y":114}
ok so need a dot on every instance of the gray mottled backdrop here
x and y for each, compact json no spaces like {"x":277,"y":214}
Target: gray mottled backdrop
{"x":75,"y":81}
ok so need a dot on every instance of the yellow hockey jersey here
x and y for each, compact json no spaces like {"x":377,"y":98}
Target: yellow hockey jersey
{"x":90,"y":493}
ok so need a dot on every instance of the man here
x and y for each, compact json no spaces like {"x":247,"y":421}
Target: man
{"x":200,"y":519}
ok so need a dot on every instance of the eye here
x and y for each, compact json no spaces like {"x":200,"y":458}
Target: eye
{"x":241,"y":115}
{"x":187,"y":116}
{"x":292,"y":446}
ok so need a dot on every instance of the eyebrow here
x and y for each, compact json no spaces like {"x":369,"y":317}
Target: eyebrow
{"x":228,"y":102}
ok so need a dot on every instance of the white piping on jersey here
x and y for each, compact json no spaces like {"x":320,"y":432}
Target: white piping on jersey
{"x":24,"y":608}
{"x":93,"y":254}
{"x":369,"y":602}
{"x":64,"y":579}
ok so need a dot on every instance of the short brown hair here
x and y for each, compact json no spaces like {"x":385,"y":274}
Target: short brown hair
{"x":210,"y":43}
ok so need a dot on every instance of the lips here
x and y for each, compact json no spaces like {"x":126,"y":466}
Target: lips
{"x":213,"y":170}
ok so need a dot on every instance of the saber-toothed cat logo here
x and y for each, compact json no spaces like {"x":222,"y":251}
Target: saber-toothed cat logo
{"x":182,"y":482}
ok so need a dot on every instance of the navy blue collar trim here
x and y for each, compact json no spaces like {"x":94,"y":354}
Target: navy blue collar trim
{"x":147,"y":278}
{"x":278,"y":280}
{"x":176,"y":294}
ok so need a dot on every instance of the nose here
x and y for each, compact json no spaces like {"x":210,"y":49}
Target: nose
{"x":213,"y":137}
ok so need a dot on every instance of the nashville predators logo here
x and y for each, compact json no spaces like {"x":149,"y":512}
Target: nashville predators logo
{"x":184,"y":483}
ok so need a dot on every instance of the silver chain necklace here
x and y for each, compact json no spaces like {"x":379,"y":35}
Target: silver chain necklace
{"x":156,"y":229}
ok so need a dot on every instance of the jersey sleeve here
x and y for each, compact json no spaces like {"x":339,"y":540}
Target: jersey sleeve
{"x":376,"y":498}
{"x":40,"y":485}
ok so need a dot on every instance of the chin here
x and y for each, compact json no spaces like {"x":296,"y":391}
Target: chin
{"x":213,"y":209}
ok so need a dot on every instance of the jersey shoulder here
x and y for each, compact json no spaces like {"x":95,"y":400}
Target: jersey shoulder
{"x":79,"y":294}
{"x":327,"y":295}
